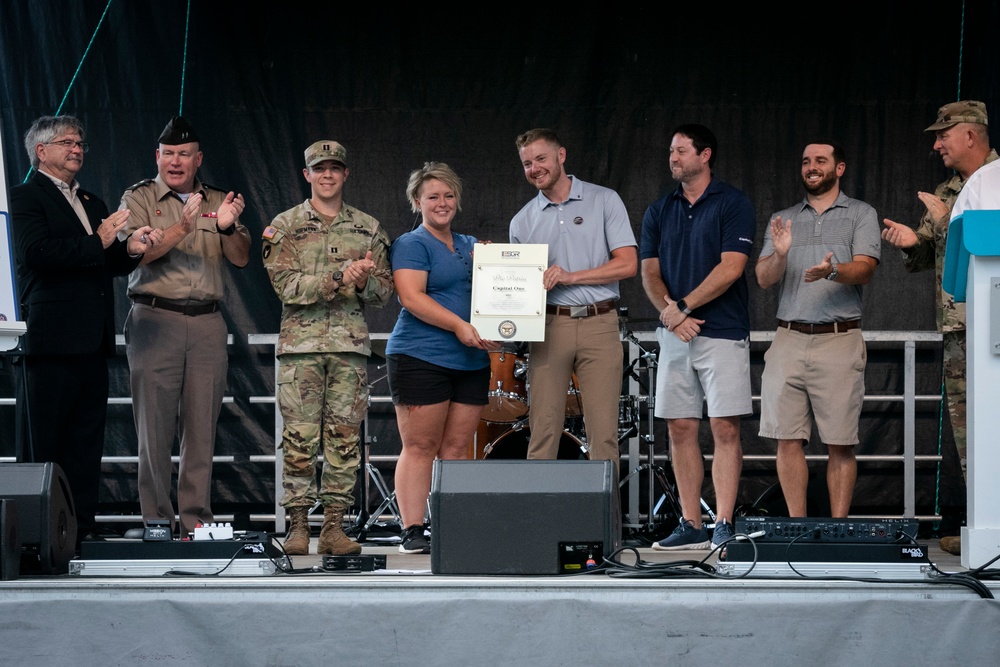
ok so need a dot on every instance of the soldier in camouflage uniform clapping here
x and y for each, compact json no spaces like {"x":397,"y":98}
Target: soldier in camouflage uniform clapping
{"x":326,"y":261}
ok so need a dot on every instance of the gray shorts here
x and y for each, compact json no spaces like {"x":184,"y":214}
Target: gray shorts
{"x":712,"y":370}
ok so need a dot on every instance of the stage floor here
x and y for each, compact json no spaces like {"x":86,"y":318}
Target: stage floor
{"x":421,"y":563}
{"x":406,"y":615}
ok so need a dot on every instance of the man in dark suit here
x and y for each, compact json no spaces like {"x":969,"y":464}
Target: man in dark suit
{"x":66,"y":250}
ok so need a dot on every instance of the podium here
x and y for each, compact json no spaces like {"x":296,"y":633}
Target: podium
{"x":972,"y":274}
{"x":9,"y":333}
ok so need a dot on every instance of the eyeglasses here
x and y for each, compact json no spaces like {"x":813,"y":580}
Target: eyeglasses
{"x":68,"y":144}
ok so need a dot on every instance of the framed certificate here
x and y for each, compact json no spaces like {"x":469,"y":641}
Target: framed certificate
{"x":508,"y":298}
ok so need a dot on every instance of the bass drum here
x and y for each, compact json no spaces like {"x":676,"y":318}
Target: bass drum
{"x":514,"y":445}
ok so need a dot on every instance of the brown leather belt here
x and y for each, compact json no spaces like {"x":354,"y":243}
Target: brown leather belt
{"x":829,"y":327}
{"x":175,"y":307}
{"x":582,"y":311}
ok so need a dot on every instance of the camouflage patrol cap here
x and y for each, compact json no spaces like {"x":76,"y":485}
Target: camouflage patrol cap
{"x":178,"y":131}
{"x":965,"y":111}
{"x":325,"y":149}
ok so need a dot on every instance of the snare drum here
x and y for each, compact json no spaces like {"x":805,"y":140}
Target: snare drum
{"x":508,"y":399}
{"x":514,"y":445}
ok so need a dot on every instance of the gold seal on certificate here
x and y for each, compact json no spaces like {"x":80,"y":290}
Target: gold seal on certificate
{"x":508,"y":298}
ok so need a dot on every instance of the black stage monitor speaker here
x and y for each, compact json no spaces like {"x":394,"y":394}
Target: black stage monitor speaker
{"x":10,"y":541}
{"x":523,"y":517}
{"x":45,"y":514}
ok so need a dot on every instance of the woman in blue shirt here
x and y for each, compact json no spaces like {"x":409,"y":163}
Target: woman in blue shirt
{"x":439,"y":368}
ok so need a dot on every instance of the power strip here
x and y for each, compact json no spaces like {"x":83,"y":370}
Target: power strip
{"x":213,"y":531}
{"x":364,"y":563}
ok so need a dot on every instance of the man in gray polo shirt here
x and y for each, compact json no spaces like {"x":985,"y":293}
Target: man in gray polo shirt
{"x":820,"y":252}
{"x":591,"y":248}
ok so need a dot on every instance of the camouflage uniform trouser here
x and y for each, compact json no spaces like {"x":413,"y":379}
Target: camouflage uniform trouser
{"x":954,"y":387}
{"x":323,"y":399}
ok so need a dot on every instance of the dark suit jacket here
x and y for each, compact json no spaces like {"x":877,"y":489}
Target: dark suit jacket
{"x":64,"y":275}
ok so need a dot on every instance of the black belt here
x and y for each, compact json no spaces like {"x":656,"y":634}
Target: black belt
{"x":582,"y":311}
{"x":174,"y":306}
{"x":829,"y":327}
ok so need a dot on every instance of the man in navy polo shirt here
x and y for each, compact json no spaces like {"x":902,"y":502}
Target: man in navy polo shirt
{"x":695,"y":245}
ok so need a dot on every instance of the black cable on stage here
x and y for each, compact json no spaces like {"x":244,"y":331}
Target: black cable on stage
{"x":944,"y":579}
{"x":186,"y":573}
{"x":982,"y":572}
{"x":643,"y":569}
{"x":314,"y":569}
{"x":278,"y":566}
{"x":814,"y":534}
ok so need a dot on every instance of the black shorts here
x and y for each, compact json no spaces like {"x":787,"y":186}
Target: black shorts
{"x":413,"y":381}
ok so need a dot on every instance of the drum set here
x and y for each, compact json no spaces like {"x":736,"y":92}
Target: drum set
{"x":504,"y":433}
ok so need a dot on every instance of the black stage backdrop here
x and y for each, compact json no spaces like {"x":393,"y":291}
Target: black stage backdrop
{"x":399,"y":87}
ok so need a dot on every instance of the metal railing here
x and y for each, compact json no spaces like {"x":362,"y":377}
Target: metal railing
{"x":909,"y":459}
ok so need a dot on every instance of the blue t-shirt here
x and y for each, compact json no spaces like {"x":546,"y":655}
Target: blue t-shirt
{"x":689,"y":240}
{"x":449,"y":282}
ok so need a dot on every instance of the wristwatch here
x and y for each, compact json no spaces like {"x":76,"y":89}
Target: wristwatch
{"x":338,"y":276}
{"x":833,"y":274}
{"x":683,"y":307}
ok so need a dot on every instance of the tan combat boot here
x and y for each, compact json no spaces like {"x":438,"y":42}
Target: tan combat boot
{"x":332,"y":539}
{"x":952,"y":544}
{"x":297,"y":540}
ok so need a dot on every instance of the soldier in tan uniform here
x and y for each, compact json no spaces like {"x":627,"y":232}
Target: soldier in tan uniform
{"x":326,"y":260}
{"x":175,"y":334}
{"x":962,"y":139}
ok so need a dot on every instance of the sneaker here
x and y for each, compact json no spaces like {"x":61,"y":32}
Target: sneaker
{"x":685,"y":536}
{"x":723,"y":533}
{"x":413,"y":541}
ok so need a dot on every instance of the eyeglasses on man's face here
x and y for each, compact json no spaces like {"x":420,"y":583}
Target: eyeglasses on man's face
{"x":69,"y":144}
